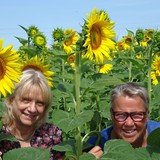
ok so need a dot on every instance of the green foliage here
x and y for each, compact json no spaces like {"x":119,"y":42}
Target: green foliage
{"x":120,"y":150}
{"x":7,"y":137}
{"x":28,"y":153}
{"x":87,"y":156}
{"x":79,"y":115}
{"x":154,"y":138}
{"x":67,"y":122}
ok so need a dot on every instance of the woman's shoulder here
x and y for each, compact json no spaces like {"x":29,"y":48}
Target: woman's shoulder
{"x":48,"y":125}
{"x":47,"y":135}
{"x":4,"y":130}
{"x":49,"y":128}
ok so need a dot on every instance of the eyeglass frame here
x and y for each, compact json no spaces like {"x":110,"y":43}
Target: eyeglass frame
{"x":128,"y":114}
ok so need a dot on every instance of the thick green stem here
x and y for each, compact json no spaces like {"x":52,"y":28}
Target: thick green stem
{"x":78,"y":142}
{"x":98,"y":108}
{"x":62,"y":72}
{"x":77,"y":83}
{"x":78,"y":103}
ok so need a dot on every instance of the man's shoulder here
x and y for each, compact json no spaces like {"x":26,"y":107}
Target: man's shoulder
{"x":107,"y":131}
{"x":152,"y":125}
{"x":153,"y":122}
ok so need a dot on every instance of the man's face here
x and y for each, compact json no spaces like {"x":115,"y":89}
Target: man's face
{"x":129,"y":130}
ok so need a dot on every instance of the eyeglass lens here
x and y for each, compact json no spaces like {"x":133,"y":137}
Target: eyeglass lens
{"x":135,"y":116}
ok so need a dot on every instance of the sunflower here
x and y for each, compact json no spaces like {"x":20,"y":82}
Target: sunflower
{"x":149,"y":33}
{"x":105,"y":68}
{"x":98,"y":36}
{"x":32,"y":31}
{"x":144,"y":43}
{"x":154,"y":76}
{"x":71,"y":37}
{"x":120,"y":46}
{"x":128,"y":40}
{"x":38,"y":64}
{"x":58,"y":34}
{"x":139,"y":56}
{"x":39,"y":40}
{"x":9,"y":69}
{"x":71,"y":60}
{"x":156,"y":64}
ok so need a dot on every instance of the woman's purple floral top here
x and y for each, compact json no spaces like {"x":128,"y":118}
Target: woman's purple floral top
{"x":45,"y":136}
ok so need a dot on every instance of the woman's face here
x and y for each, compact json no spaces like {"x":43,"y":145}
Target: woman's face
{"x":29,"y":109}
{"x":130,"y":130}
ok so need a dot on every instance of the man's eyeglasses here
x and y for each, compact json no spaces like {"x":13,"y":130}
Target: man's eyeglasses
{"x":122,"y":116}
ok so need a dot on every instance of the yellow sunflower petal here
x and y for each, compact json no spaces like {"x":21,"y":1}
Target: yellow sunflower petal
{"x":6,"y":49}
{"x":11,"y":70}
{"x":1,"y":43}
{"x":2,"y":90}
{"x":9,"y":82}
{"x":6,"y":85}
{"x":38,"y":64}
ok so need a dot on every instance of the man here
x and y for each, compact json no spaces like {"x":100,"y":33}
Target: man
{"x":129,"y":109}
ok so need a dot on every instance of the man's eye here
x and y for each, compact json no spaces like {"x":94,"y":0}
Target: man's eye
{"x":120,"y":114}
{"x":137,"y":114}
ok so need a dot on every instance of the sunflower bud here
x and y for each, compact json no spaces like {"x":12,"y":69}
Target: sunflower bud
{"x":39,"y":40}
{"x":139,"y":35}
{"x":157,"y":39}
{"x":149,"y":33}
{"x":58,"y":34}
{"x":32,"y":31}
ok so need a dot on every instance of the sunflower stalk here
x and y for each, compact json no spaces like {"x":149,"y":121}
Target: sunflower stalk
{"x":149,"y":72}
{"x":130,"y":71}
{"x":62,"y":72}
{"x":98,"y":108}
{"x":78,"y":102}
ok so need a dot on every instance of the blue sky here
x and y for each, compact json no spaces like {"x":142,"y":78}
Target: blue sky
{"x":50,"y":14}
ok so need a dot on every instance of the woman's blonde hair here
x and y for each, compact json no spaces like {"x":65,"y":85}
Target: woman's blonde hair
{"x":29,"y":78}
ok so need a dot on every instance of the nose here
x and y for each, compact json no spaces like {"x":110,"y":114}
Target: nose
{"x":129,"y":121}
{"x":32,"y":107}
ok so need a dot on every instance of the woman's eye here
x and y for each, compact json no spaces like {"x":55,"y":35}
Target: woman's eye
{"x":25,"y":100}
{"x":40,"y":104}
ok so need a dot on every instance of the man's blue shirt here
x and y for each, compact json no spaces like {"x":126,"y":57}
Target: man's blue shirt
{"x":106,"y":133}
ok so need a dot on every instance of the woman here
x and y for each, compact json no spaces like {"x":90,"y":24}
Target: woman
{"x":26,"y":113}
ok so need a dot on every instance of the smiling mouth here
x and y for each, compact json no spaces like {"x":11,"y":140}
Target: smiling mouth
{"x":129,"y":133}
{"x":29,"y":116}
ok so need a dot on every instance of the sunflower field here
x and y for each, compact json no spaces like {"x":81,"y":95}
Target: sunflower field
{"x":82,"y":68}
